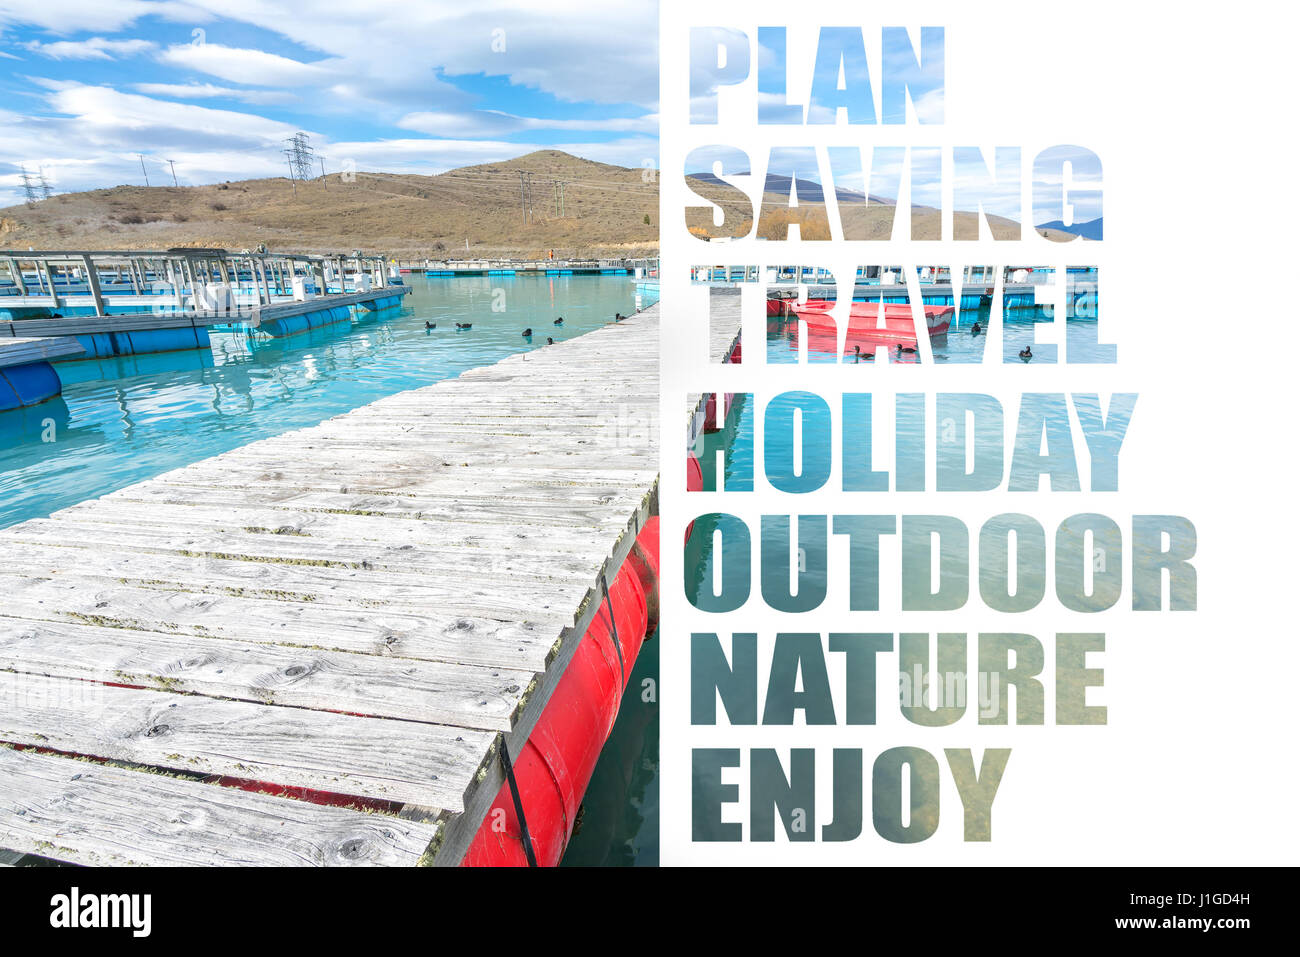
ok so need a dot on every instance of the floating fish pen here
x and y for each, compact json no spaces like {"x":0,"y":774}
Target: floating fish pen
{"x":36,"y":285}
{"x":450,"y":269}
{"x":113,"y":304}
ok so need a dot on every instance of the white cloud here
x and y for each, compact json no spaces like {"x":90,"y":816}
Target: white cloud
{"x":103,"y":16}
{"x":497,"y":123}
{"x":95,"y":48}
{"x":209,"y":91}
{"x":239,"y":65}
{"x":572,"y":49}
{"x":106,"y":111}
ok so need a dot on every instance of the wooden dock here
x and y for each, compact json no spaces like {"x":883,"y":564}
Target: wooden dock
{"x":365,"y":609}
{"x":22,"y":351}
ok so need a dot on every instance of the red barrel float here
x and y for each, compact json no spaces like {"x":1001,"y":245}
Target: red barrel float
{"x":645,"y":563}
{"x":711,"y":423}
{"x":694,"y":482}
{"x":694,"y":474}
{"x":555,"y":765}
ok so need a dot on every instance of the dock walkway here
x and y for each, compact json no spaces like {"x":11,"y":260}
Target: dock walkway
{"x":364,"y":609}
{"x":23,"y":351}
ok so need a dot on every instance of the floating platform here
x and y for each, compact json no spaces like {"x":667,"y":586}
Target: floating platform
{"x":519,"y":267}
{"x":310,"y":650}
{"x":59,"y":283}
{"x":142,"y":333}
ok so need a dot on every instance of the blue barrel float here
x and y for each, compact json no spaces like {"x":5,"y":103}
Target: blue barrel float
{"x":384,"y":302}
{"x":291,"y":325}
{"x":28,"y":384}
{"x":104,"y":345}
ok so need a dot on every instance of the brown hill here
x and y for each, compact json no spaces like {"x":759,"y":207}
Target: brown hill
{"x":606,"y":211}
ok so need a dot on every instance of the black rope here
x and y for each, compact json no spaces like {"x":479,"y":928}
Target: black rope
{"x":519,"y":805}
{"x":618,"y":646}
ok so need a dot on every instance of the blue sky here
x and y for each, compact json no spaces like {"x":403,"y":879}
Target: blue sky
{"x":217,"y":85}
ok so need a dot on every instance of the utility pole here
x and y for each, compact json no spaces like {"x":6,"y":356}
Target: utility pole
{"x":174,"y":181}
{"x":46,"y":189}
{"x":562,"y":185}
{"x":523,"y":208}
{"x":292,"y":182}
{"x":323,"y":180}
{"x":142,"y":169}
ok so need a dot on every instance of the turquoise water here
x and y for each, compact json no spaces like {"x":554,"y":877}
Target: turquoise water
{"x":124,"y":420}
{"x":962,"y":344}
{"x":620,"y":818}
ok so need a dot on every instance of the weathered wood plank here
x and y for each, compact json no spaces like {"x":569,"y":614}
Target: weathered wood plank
{"x":443,"y":604}
{"x":492,"y":511}
{"x":292,"y":549}
{"x":432,"y":692}
{"x":522,"y":484}
{"x":574,"y":536}
{"x":94,"y":814}
{"x":523,"y":645}
{"x":402,"y":761}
